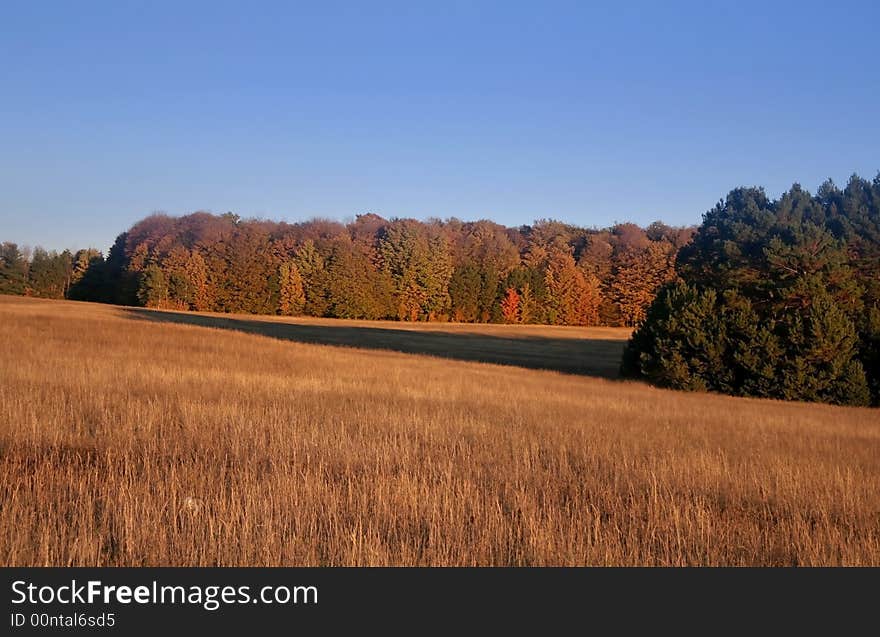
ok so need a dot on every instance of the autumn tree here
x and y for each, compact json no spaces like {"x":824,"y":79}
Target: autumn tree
{"x":587,"y":300}
{"x":180,"y":288}
{"x":357,"y":289}
{"x":531,"y":285}
{"x":527,"y":304}
{"x":198,"y":274}
{"x":572,"y":299}
{"x":510,"y":306}
{"x":251,"y":281}
{"x":372,"y":267}
{"x":311,"y":265}
{"x":637,"y":275}
{"x":420,"y":265}
{"x":292,"y":295}
{"x":82,"y":261}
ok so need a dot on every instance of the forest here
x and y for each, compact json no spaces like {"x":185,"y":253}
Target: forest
{"x":372,"y":268}
{"x":772,"y":298}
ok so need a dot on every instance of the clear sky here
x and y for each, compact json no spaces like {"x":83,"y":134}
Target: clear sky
{"x":589,"y":113}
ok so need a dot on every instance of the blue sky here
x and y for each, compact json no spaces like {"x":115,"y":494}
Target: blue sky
{"x":589,"y":113}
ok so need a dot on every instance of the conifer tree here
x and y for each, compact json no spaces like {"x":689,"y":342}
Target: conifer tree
{"x":153,"y":289}
{"x":771,"y":306}
{"x":465,"y":288}
{"x":311,"y":266}
{"x":13,"y":269}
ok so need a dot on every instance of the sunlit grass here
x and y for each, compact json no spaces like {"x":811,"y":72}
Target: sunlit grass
{"x":129,"y":442}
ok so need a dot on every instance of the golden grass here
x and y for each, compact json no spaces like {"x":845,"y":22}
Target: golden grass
{"x":126,"y":441}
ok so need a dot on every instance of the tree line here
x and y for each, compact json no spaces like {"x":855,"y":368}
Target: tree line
{"x":773,"y":298}
{"x":372,"y":268}
{"x":50,"y":275}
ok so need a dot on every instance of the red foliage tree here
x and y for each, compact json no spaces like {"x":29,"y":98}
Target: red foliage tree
{"x":510,"y":306}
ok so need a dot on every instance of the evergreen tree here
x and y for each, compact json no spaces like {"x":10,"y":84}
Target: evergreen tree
{"x":465,"y":288}
{"x":869,"y":350}
{"x":681,"y":344}
{"x":311,"y":266}
{"x":771,"y":305}
{"x":527,"y":304}
{"x":88,"y":278}
{"x":357,"y":290}
{"x":181,"y":291}
{"x":48,"y":274}
{"x":121,"y":278}
{"x":420,"y":265}
{"x":13,"y":269}
{"x":821,"y":358}
{"x":153,"y":289}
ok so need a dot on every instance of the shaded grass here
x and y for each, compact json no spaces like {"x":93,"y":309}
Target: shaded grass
{"x":577,"y":350}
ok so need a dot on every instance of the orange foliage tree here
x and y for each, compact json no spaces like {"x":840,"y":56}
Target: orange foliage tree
{"x":510,"y":306}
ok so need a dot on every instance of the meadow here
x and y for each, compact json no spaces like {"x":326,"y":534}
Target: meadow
{"x":140,"y":437}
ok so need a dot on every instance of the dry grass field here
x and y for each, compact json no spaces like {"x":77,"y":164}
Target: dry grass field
{"x":130,"y":437}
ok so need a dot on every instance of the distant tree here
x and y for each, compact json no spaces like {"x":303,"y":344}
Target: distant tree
{"x":121,"y":279}
{"x":197,"y":273}
{"x":420,"y":265}
{"x":251,"y":277}
{"x":13,"y":269}
{"x":531,"y":284}
{"x":180,"y":288}
{"x":510,"y":306}
{"x":637,"y":275}
{"x":675,"y":236}
{"x":436,"y":281}
{"x":490,"y":290}
{"x":465,"y":292}
{"x":527,"y":304}
{"x":88,"y":280}
{"x":869,"y":349}
{"x":82,"y":261}
{"x":48,"y":273}
{"x":572,"y":299}
{"x":357,"y":290}
{"x":153,"y":289}
{"x":596,"y":257}
{"x":587,"y":301}
{"x":293,"y":298}
{"x":311,"y":265}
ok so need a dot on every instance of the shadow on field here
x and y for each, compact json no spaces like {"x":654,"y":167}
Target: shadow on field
{"x":590,"y":357}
